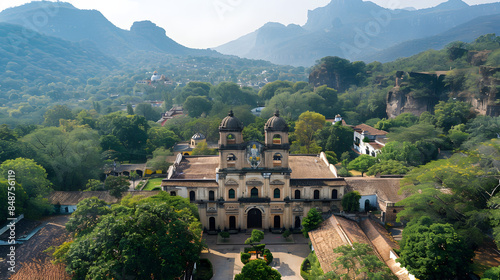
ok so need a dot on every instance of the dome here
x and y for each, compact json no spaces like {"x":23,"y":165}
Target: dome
{"x":275,"y":123}
{"x":231,"y":123}
{"x":155,"y":77}
{"x":198,"y":136}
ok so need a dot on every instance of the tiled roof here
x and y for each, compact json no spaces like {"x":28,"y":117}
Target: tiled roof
{"x":334,"y":232}
{"x":372,"y":131}
{"x":197,"y":167}
{"x":385,"y":188}
{"x":318,"y":182}
{"x":308,"y":166}
{"x":189,"y":183}
{"x":72,"y":198}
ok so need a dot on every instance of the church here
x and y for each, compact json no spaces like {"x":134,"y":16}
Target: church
{"x":255,"y":185}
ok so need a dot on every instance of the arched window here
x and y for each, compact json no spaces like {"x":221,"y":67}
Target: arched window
{"x":367,"y":151}
{"x":373,"y":154}
{"x":367,"y":205}
{"x":277,"y":159}
{"x":192,"y":196}
{"x":297,"y":194}
{"x":277,"y":193}
{"x":231,"y":139}
{"x":231,"y":160}
{"x":211,"y":195}
{"x":172,"y":193}
{"x":316,"y":194}
{"x":211,"y":224}
{"x":277,"y":139}
{"x":232,"y":193}
{"x":334,"y":194}
{"x":254,"y":192}
{"x":297,"y":222}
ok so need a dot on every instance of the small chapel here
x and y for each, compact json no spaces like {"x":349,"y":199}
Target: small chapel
{"x":254,"y":185}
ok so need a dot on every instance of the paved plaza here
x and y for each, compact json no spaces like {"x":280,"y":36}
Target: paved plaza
{"x":225,"y":255}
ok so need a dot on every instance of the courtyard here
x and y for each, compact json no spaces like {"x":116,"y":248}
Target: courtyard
{"x":225,"y":255}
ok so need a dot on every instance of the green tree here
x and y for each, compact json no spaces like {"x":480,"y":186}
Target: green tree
{"x":350,"y":201}
{"x":359,"y":262}
{"x":224,"y":234}
{"x":20,"y":199}
{"x":87,"y":215}
{"x":94,"y":185}
{"x":311,"y":221}
{"x":305,"y":128}
{"x":449,"y":114}
{"x":258,"y":270}
{"x":202,"y":149}
{"x":255,"y":237}
{"x":151,"y":238}
{"x":402,"y":120}
{"x":147,"y":111}
{"x":492,"y":274}
{"x":434,"y":251}
{"x":116,"y":185}
{"x":130,"y":109}
{"x":269,"y":90}
{"x":31,"y":176}
{"x":160,"y":137}
{"x":405,"y":152}
{"x":362,"y":163}
{"x":388,"y":167}
{"x":61,"y":153}
{"x":197,"y":105}
{"x":58,"y":112}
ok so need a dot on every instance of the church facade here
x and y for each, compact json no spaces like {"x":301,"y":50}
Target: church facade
{"x":253,"y":184}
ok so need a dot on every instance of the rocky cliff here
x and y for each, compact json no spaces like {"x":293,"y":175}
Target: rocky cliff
{"x":418,"y":92}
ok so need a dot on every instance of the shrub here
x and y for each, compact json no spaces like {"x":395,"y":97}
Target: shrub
{"x":268,"y":256}
{"x":204,"y":270}
{"x":286,"y":234}
{"x":245,"y":257}
{"x":305,"y":267}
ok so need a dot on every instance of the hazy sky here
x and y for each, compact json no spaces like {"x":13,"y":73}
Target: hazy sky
{"x":210,"y":23}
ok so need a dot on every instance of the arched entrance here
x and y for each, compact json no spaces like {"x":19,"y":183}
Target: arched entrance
{"x":254,"y":218}
{"x":367,"y":205}
{"x":232,"y":222}
{"x":277,"y":222}
{"x":211,"y":224}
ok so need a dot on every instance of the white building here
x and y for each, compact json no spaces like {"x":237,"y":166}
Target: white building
{"x":368,"y":140}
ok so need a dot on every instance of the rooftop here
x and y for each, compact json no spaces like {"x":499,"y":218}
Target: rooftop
{"x":370,"y":130}
{"x":72,"y":198}
{"x":334,"y":232}
{"x":197,"y":167}
{"x":385,"y":188}
{"x":190,"y":183}
{"x":309,"y":166}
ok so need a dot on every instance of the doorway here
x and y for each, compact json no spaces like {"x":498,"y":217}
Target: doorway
{"x":254,"y":218}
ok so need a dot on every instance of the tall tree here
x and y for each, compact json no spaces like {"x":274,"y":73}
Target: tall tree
{"x":197,"y":105}
{"x":116,"y":185}
{"x":362,"y":163}
{"x":434,"y":251}
{"x":305,"y":128}
{"x":31,"y":176}
{"x":350,"y":201}
{"x":58,"y":112}
{"x":311,"y":221}
{"x":151,"y":238}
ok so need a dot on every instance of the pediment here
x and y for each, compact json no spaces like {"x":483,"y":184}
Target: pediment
{"x":277,"y":182}
{"x":254,"y":183}
{"x":231,"y":183}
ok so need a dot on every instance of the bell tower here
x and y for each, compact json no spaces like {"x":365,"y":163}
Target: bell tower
{"x":276,"y":141}
{"x":231,"y":146}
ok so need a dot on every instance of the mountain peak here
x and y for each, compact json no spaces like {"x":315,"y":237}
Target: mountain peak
{"x":452,"y":5}
{"x":147,"y":27}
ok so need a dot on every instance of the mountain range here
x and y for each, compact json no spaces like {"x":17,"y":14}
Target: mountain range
{"x":352,"y":29}
{"x":359,"y":30}
{"x":63,"y":20}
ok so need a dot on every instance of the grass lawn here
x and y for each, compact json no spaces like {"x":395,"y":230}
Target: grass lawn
{"x":153,"y":183}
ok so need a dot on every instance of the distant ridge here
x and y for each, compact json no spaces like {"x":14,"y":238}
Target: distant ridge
{"x":466,"y":32}
{"x":353,"y":29}
{"x":63,"y":20}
